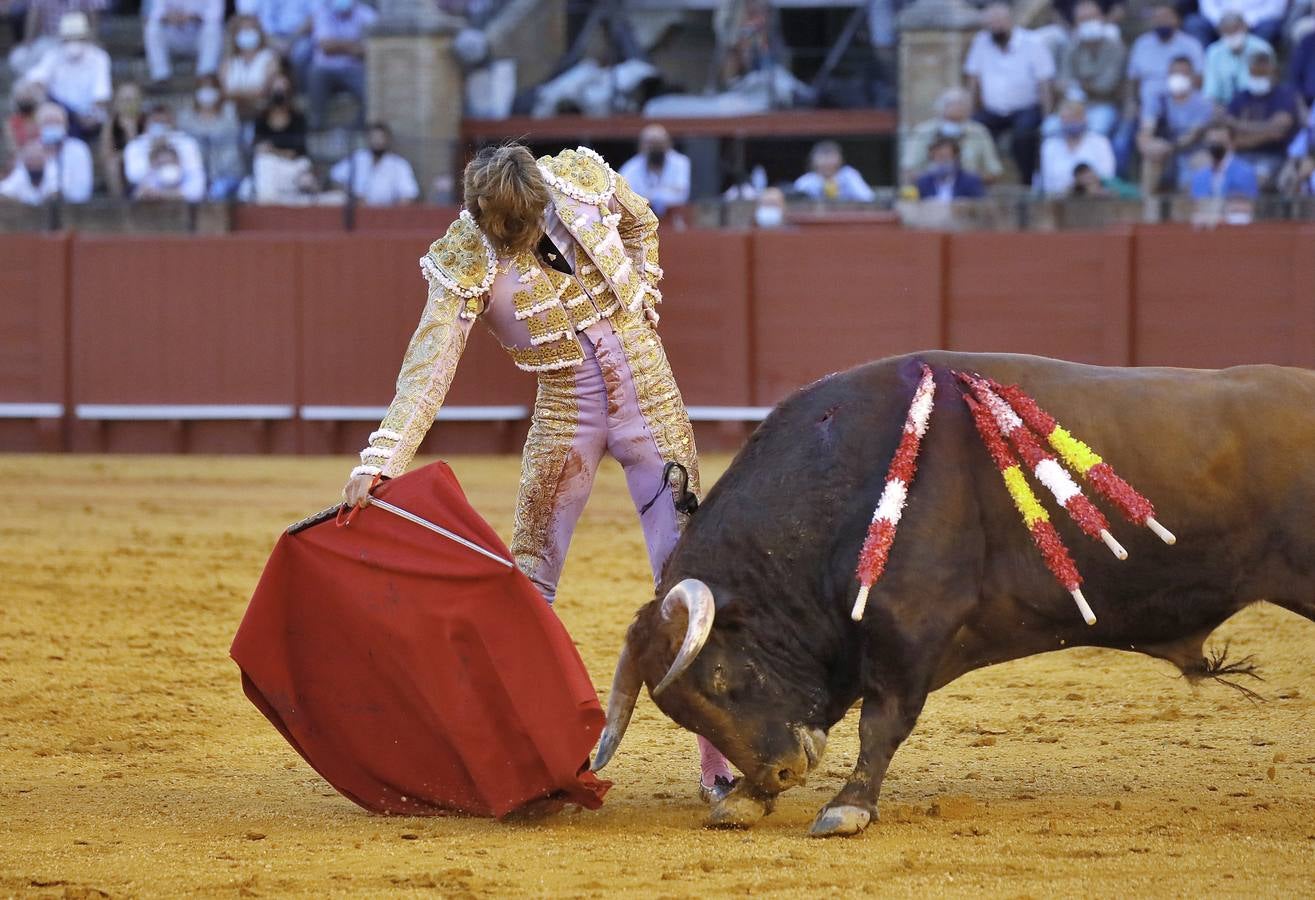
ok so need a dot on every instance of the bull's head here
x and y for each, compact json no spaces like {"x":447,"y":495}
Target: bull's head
{"x":720,"y":685}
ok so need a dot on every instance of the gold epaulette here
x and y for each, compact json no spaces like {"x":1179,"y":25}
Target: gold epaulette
{"x":580,"y":174}
{"x":462,"y":260}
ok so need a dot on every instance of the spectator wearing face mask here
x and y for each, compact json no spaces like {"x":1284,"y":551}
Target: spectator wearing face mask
{"x":1264,"y":17}
{"x":1091,"y":67}
{"x":165,"y":178}
{"x":187,"y":152}
{"x":250,"y":68}
{"x":41,"y":28}
{"x":1152,"y":55}
{"x":377,"y":176}
{"x":953,"y":120}
{"x":21,"y":126}
{"x":184,"y":27}
{"x":31,"y":181}
{"x":943,"y":179}
{"x":213,"y":123}
{"x":76,"y":75}
{"x":281,"y":128}
{"x":1170,"y":134}
{"x":658,"y":173}
{"x":1265,"y":117}
{"x":64,"y":167}
{"x":338,"y":65}
{"x":1011,"y":73}
{"x":831,"y":179}
{"x":1226,"y":59}
{"x":1226,"y":187}
{"x":125,"y":123}
{"x":770,"y":209}
{"x":1075,"y":143}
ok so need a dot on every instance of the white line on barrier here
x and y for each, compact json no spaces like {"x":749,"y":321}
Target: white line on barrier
{"x":31,"y":410}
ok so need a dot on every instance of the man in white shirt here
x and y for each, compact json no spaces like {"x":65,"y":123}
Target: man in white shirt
{"x":658,"y":173}
{"x":55,"y":166}
{"x":377,"y":176}
{"x":160,"y":130}
{"x":831,"y":179}
{"x":76,"y":75}
{"x":188,"y":27}
{"x":1263,"y":17}
{"x":1075,"y":143}
{"x":1010,"y":72}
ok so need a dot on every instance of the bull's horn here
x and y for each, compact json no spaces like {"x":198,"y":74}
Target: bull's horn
{"x":620,"y":705}
{"x":696,"y":598}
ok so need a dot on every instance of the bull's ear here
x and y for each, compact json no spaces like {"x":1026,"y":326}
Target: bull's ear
{"x":731,"y":614}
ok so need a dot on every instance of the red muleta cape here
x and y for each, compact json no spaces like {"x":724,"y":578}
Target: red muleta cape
{"x":417,"y":676}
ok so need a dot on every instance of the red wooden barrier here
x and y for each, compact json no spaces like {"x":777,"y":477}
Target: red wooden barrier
{"x":33,"y":328}
{"x":1226,"y":297}
{"x":1062,"y":295}
{"x":825,"y":300}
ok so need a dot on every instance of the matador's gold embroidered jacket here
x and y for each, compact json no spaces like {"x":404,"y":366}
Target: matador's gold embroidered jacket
{"x":534,"y":311}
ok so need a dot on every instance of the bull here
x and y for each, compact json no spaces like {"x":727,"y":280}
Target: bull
{"x":749,"y":640}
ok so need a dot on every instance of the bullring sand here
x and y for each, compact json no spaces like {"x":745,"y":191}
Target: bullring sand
{"x":131,"y":764}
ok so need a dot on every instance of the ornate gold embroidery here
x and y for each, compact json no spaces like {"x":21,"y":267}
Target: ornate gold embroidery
{"x":581,"y":174}
{"x":639,"y":231}
{"x":562,"y":354}
{"x":660,"y":402}
{"x":427,"y":370}
{"x":556,"y":413}
{"x":462,"y":260}
{"x":553,"y":324}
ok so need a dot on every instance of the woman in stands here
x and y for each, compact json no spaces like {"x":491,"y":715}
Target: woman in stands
{"x":559,"y":258}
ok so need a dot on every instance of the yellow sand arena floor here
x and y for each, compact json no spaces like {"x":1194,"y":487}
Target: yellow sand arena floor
{"x":131,"y":764}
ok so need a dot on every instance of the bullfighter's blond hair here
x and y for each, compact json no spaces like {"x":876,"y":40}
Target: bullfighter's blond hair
{"x":506,"y":194}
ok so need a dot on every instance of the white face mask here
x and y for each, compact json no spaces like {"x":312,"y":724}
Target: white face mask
{"x":157,"y":129}
{"x":1178,"y":83}
{"x":247,"y":39}
{"x":1090,"y":30}
{"x":768,"y":216}
{"x":170,"y":174}
{"x":1237,"y":217}
{"x":207,"y":96}
{"x":74,"y":50}
{"x":1257,"y":85}
{"x":1235,"y":41}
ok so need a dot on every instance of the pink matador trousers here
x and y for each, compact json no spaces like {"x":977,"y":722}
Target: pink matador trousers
{"x":622,"y":401}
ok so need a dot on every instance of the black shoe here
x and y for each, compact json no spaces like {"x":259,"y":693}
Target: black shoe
{"x":721,"y":786}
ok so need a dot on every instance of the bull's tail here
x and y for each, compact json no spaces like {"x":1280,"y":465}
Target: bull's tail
{"x":1216,"y":665}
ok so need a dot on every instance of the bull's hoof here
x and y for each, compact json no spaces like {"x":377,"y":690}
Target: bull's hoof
{"x":840,"y":821}
{"x":736,"y":810}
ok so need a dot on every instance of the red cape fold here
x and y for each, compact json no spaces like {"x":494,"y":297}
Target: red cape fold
{"x":415,"y":675}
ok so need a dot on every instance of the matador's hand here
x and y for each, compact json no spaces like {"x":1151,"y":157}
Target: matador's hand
{"x":652,"y":315}
{"x":357,"y":491}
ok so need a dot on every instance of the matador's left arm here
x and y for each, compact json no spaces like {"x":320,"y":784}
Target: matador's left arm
{"x":638,"y":229}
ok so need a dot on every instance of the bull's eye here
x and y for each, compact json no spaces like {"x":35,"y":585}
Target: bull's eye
{"x":720,"y":684}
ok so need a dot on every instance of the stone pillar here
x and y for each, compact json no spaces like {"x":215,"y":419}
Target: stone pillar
{"x":934,"y":39}
{"x":415,"y":85}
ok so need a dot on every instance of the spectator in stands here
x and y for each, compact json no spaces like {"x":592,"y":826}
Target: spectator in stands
{"x":1226,"y":59}
{"x":14,"y":14}
{"x":1088,"y":183}
{"x":977,"y":153}
{"x":658,"y":173}
{"x":288,"y":26}
{"x":212,"y":121}
{"x":41,"y":28}
{"x":1010,"y":72}
{"x":769,"y":212}
{"x":1264,"y":17}
{"x":339,"y":61}
{"x":375,"y":174}
{"x":281,"y":127}
{"x":1227,"y":187}
{"x":31,"y":181}
{"x":830,"y":178}
{"x":1303,"y":68}
{"x":1170,"y":133}
{"x":126,"y":123}
{"x":746,"y":37}
{"x":1265,"y":117}
{"x":1296,"y":178}
{"x":64,"y":168}
{"x":165,"y":177}
{"x":1152,"y":55}
{"x":250,"y":67}
{"x":137,"y":156}
{"x":943,"y":179}
{"x":21,"y":126}
{"x":76,"y":75}
{"x":1075,"y":143}
{"x":185,"y":27}
{"x":1091,"y":67}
